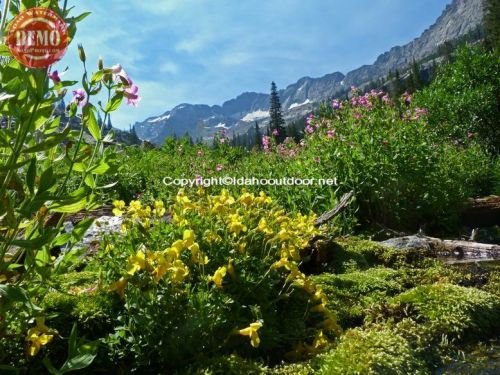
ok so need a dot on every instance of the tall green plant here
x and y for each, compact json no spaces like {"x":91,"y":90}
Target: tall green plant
{"x":38,"y":156}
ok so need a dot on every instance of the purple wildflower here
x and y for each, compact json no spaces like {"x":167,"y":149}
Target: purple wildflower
{"x":79,"y":97}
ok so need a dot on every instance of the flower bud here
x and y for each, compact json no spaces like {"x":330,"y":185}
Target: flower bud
{"x":100,"y":64}
{"x":81,"y":53}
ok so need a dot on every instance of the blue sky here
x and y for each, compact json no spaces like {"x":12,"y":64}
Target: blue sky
{"x":209,"y":51}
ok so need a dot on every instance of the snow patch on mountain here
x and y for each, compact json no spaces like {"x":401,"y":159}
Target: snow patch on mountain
{"x":295,"y":105}
{"x":256,"y":115}
{"x":158,"y":119}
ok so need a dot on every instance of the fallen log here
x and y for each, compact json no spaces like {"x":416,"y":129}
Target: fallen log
{"x":341,"y":206}
{"x":482,"y":212}
{"x":461,"y":251}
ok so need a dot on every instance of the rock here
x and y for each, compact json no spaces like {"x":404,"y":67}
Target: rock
{"x":408,"y":243}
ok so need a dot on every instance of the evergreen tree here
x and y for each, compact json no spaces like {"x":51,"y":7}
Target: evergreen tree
{"x":397,"y":88}
{"x":277,"y":123}
{"x":492,"y":24}
{"x":258,"y":135}
{"x":135,"y":139}
{"x":109,"y":126}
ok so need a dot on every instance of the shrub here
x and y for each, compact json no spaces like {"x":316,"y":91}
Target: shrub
{"x":221,"y":277}
{"x":463,"y":99}
{"x":377,"y":350}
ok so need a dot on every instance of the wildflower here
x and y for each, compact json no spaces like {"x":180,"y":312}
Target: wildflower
{"x":179,"y":271}
{"x":159,"y":209}
{"x":230,"y":268}
{"x":309,"y":129}
{"x":317,"y":159}
{"x":265,"y":143}
{"x":136,"y":262}
{"x":251,"y":332}
{"x":407,"y":98}
{"x":37,"y":337}
{"x":54,"y":76}
{"x":236,"y":226}
{"x":420,"y":112}
{"x":247,"y":199}
{"x":358,"y":116}
{"x":263,"y":227}
{"x":119,"y":287}
{"x":219,"y":167}
{"x":218,"y":276}
{"x":131,"y":93}
{"x":200,"y":153}
{"x":118,"y":207}
{"x":79,"y":97}
{"x":331,"y":133}
{"x":188,"y":237}
{"x":275,"y":132}
{"x":336,"y":104}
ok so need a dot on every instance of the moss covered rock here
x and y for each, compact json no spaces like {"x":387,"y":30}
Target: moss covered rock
{"x":377,"y":350}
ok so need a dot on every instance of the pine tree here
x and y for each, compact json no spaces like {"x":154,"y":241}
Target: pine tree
{"x":109,"y":126}
{"x":277,"y":123}
{"x":492,"y":24}
{"x":258,"y":135}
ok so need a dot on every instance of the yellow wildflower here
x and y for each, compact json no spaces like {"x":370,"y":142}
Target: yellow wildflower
{"x":230,"y":268}
{"x":188,"y":237}
{"x":251,"y":332}
{"x":212,"y":237}
{"x":136,"y":262}
{"x":263,"y":227}
{"x":320,"y":341}
{"x":159,"y":209}
{"x":180,"y":221}
{"x":236,"y":226}
{"x":179,"y":271}
{"x":219,"y":276}
{"x":37,"y":337}
{"x":247,"y":199}
{"x":178,"y":246}
{"x":118,"y":207}
{"x":119,"y":287}
{"x":196,"y":255}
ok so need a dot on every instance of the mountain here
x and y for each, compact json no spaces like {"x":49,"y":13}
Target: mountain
{"x":239,"y":115}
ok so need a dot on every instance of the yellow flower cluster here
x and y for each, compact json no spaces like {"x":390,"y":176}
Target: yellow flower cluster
{"x":137,"y":213}
{"x":161,"y":263}
{"x":230,"y":228}
{"x":38,"y":336}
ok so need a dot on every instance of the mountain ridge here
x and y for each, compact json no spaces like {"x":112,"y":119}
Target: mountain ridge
{"x":239,"y":114}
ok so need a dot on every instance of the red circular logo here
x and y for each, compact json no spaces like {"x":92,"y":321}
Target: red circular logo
{"x":38,"y":37}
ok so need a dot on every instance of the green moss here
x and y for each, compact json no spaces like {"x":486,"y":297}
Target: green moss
{"x":79,"y":300}
{"x":350,"y":294}
{"x":452,"y":311}
{"x":377,"y":350}
{"x":226,"y":365}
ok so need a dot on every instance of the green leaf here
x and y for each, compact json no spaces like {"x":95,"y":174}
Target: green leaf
{"x":81,"y":17}
{"x":76,"y":202}
{"x":80,"y":229}
{"x":31,"y":175}
{"x":90,"y":121}
{"x":35,"y":243}
{"x":101,"y":168}
{"x":114,"y":103}
{"x":80,"y":353}
{"x":47,"y":180}
{"x":50,"y":142}
{"x":90,"y":181}
{"x":16,"y":294}
{"x":96,"y":77}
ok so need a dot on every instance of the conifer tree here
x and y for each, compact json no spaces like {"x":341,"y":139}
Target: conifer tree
{"x":492,"y":24}
{"x":277,"y":122}
{"x":258,"y":135}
